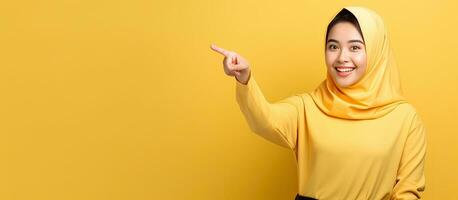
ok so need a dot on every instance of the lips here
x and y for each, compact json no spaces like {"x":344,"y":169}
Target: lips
{"x":344,"y":71}
{"x":344,"y":68}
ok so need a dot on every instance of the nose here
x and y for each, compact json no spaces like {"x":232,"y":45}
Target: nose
{"x":343,"y":57}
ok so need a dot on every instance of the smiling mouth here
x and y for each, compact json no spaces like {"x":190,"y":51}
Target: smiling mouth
{"x":345,"y":69}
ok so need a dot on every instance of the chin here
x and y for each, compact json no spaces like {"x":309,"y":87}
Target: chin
{"x":345,"y":83}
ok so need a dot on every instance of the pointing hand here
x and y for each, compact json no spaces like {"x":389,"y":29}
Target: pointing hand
{"x":234,"y":64}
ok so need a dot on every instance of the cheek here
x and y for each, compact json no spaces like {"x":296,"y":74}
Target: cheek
{"x":330,"y":58}
{"x":360,"y":60}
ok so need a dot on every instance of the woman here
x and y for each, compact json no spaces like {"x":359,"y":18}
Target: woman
{"x":355,"y":136}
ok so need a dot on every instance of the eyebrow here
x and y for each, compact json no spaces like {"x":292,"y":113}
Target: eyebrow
{"x":349,"y":41}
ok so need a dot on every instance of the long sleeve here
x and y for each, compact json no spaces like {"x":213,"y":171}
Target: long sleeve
{"x":410,"y":180}
{"x":277,"y":122}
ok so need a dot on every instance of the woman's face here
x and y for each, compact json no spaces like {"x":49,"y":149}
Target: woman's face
{"x":345,"y":54}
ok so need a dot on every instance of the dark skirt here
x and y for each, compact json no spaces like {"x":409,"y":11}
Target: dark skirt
{"x":300,"y":197}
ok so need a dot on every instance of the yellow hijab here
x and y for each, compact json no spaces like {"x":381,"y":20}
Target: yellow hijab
{"x":378,"y":91}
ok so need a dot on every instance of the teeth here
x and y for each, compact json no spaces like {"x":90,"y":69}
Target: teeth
{"x":345,"y":70}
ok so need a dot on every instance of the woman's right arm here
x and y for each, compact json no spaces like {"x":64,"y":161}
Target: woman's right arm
{"x":277,"y":122}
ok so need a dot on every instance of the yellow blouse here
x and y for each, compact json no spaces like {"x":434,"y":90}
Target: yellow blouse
{"x":337,"y":158}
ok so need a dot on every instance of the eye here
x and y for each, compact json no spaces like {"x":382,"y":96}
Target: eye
{"x":332,"y":46}
{"x":354,"y":48}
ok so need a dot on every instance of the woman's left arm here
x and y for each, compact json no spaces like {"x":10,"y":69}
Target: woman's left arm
{"x":410,"y":180}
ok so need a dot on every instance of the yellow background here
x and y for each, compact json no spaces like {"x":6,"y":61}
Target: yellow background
{"x":125,"y":99}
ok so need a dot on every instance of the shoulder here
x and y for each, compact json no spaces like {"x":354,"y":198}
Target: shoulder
{"x":305,"y":96}
{"x":407,"y":109}
{"x":411,"y":116}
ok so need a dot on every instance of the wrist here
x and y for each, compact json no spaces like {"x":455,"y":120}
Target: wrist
{"x":243,"y":79}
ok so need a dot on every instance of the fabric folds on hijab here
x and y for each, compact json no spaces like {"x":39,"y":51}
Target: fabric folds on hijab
{"x":378,"y":92}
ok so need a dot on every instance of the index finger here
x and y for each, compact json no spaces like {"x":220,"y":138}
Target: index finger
{"x":222,"y":51}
